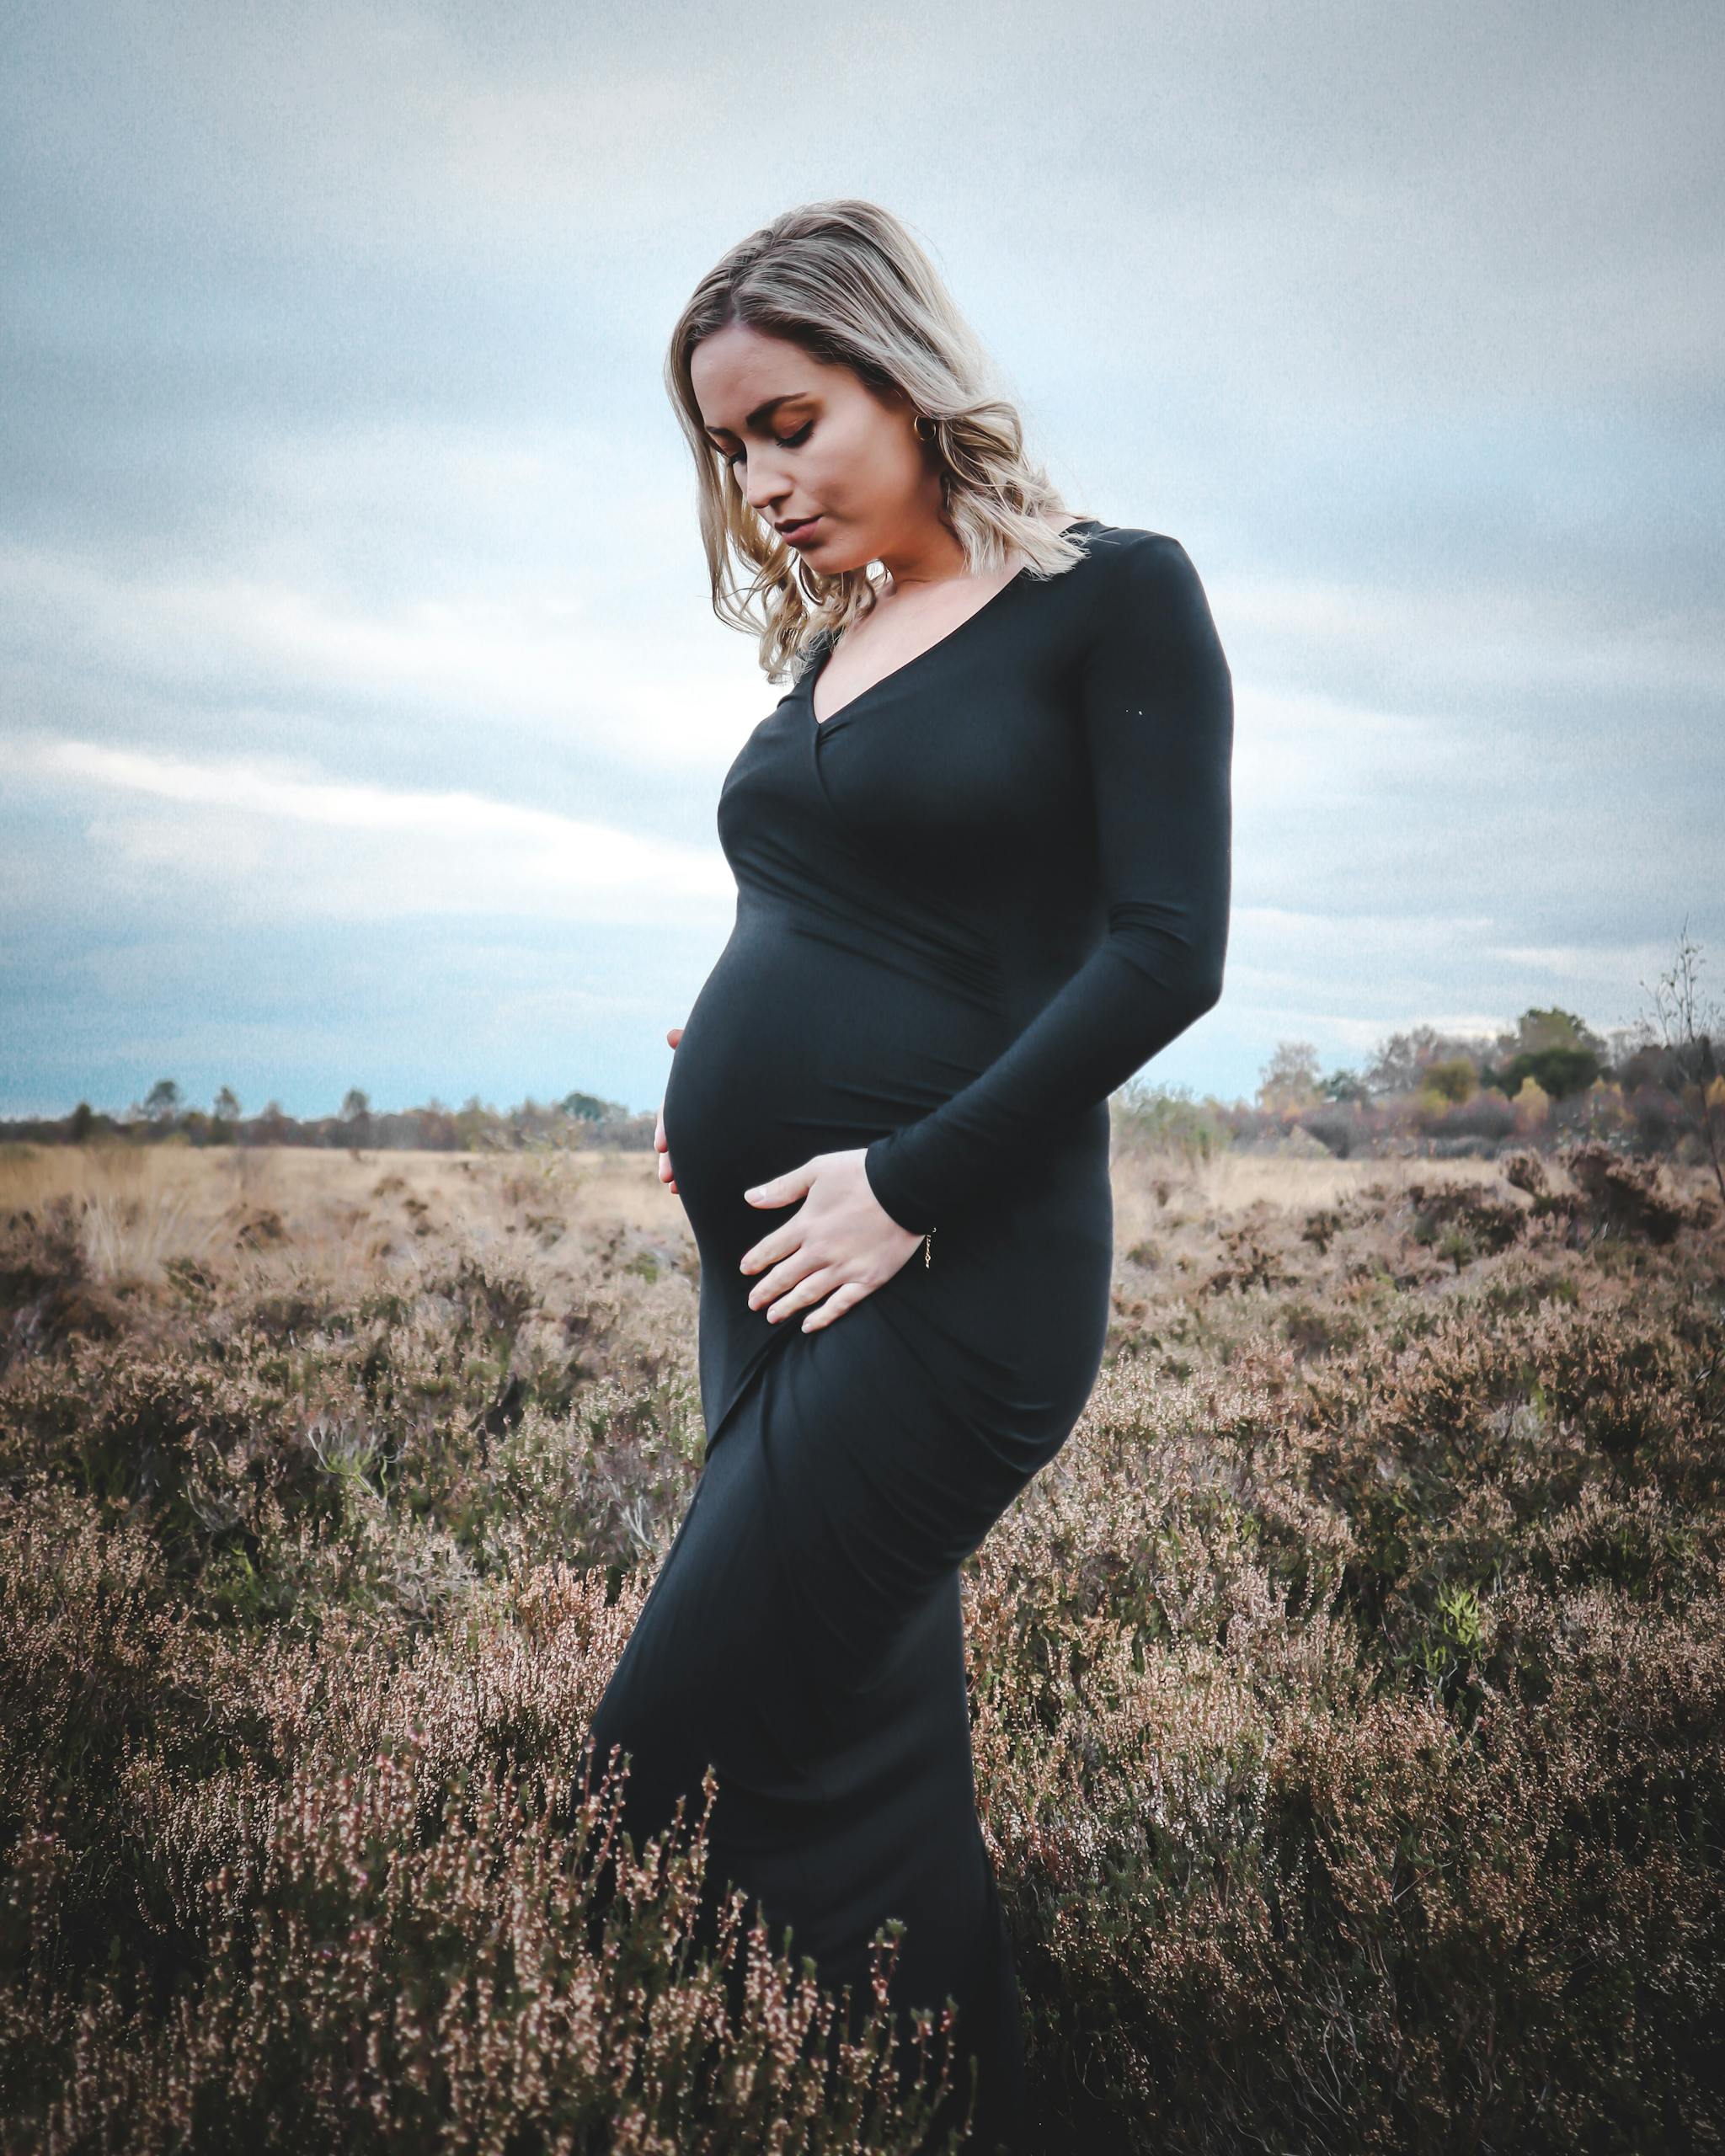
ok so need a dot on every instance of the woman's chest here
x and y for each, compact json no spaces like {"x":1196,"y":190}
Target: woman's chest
{"x":967,"y":770}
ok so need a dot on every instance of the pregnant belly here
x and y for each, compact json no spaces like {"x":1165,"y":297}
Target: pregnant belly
{"x":806,"y":1041}
{"x":802,"y":1043}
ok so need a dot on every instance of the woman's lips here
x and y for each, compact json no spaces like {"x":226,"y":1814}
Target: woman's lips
{"x":795,"y":535}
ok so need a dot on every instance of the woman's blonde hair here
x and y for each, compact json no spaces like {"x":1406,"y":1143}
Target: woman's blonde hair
{"x":847,"y":282}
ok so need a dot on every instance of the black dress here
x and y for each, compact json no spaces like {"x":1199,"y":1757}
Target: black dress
{"x":970,"y":903}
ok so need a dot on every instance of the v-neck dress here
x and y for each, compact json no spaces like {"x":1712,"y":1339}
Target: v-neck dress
{"x":971,"y":903}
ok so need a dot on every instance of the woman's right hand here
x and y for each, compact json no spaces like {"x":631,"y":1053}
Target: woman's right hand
{"x":660,"y":1143}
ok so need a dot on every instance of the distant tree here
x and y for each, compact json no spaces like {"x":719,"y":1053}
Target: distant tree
{"x":476,"y":1126}
{"x":1691,"y":1033}
{"x":1537,"y":1031}
{"x":1624,"y":1043}
{"x":1554,"y":1047}
{"x":1403,"y":1063}
{"x":1452,"y":1079}
{"x":1398,"y":1064}
{"x":434,"y":1127}
{"x":357,"y":1114}
{"x":161,"y":1101}
{"x":1289,"y":1080}
{"x":590,"y":1108}
{"x":1559,"y":1071}
{"x":227,"y":1109}
{"x":1345,"y":1086}
{"x":78,"y":1129}
{"x":1154,"y":1118}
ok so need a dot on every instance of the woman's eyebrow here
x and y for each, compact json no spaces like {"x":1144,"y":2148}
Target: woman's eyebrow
{"x":758,"y":416}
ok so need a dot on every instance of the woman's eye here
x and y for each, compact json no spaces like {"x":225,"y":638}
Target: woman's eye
{"x":788,"y":441}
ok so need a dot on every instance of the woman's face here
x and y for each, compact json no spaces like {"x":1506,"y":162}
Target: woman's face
{"x":811,"y":444}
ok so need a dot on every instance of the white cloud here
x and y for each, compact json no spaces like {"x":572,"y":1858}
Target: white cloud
{"x":1613,"y":966}
{"x":285,"y":842}
{"x":1471,"y":637}
{"x":541,"y":654}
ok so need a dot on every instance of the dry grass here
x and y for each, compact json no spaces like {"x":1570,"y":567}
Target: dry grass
{"x":141,"y":1205}
{"x":1348,"y":1693}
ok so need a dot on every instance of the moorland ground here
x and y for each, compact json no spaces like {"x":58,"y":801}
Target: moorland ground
{"x":1347,"y":1695}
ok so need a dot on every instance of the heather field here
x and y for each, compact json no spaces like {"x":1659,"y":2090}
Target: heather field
{"x":1349,"y":1695}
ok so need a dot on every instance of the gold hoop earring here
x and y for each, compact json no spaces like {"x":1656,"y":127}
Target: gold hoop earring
{"x":933,"y":427}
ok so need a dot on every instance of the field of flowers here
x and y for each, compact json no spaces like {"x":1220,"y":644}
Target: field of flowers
{"x":1349,"y":1695}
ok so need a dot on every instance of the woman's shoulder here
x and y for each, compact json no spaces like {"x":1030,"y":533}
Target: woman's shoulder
{"x":1142,"y":590}
{"x":1129,"y":561}
{"x":1124,"y":539}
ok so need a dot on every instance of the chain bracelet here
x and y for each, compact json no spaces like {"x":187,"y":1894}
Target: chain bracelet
{"x":928,"y":1248}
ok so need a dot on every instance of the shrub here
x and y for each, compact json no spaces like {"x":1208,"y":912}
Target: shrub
{"x":1346,"y":1698}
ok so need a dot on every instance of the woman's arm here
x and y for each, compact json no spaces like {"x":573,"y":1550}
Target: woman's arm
{"x":1156,"y":706}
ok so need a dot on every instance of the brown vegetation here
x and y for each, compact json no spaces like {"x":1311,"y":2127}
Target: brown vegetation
{"x":1349,"y":1693}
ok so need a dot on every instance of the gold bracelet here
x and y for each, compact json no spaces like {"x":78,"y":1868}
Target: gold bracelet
{"x":928,"y":1248}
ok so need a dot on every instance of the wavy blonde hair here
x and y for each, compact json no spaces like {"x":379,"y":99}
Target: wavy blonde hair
{"x":847,"y":281}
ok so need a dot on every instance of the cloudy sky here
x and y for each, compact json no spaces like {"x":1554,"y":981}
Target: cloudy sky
{"x":364,"y":715}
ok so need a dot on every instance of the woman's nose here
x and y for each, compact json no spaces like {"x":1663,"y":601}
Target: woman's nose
{"x":761,"y":491}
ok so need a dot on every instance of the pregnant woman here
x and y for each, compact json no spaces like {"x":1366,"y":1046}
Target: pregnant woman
{"x":981,"y":848}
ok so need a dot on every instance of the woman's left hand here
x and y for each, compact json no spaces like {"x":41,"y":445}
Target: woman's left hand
{"x":842,"y":1243}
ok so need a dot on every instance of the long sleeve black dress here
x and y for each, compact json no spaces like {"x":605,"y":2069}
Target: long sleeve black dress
{"x":970,"y":903}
